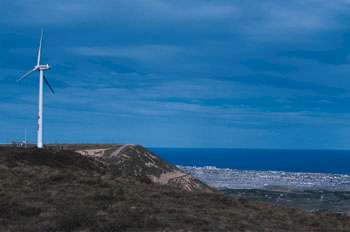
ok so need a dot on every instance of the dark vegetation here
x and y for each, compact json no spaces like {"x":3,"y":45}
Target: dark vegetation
{"x":52,"y":190}
{"x":309,"y":200}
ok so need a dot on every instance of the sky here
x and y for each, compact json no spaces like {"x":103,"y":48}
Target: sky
{"x":184,"y":73}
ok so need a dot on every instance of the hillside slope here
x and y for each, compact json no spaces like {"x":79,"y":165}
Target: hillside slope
{"x":43,"y":190}
{"x":135,"y":160}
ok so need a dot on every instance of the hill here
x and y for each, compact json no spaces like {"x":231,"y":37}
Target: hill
{"x":134,"y":160}
{"x":62,"y":190}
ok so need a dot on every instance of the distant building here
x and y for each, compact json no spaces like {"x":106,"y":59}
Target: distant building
{"x":19,"y":144}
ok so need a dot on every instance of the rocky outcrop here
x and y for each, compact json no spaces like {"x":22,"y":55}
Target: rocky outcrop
{"x":135,"y":160}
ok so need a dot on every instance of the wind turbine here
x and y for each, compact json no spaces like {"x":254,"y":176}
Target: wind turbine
{"x":41,"y":68}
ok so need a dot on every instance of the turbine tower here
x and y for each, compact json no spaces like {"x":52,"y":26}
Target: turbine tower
{"x":41,"y":68}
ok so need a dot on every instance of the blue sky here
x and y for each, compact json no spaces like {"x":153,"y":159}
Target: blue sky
{"x":251,"y":74}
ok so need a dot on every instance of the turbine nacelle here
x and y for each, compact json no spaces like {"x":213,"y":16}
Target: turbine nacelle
{"x":42,"y":67}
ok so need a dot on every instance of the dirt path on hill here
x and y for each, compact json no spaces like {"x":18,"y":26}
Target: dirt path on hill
{"x":120,"y":149}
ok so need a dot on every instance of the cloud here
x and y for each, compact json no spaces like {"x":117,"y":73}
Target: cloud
{"x":335,"y":57}
{"x":275,"y":19}
{"x":142,"y":53}
{"x":293,"y":20}
{"x":262,"y":65}
{"x":80,"y":11}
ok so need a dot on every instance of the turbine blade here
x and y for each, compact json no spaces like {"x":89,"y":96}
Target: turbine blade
{"x":26,"y":74}
{"x":48,"y":85}
{"x":39,"y":51}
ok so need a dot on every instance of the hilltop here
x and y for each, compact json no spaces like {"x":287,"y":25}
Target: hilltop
{"x":60,"y":189}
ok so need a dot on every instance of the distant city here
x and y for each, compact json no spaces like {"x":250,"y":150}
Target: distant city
{"x":242,"y":179}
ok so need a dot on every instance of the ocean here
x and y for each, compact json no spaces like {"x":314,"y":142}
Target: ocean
{"x":313,"y":161}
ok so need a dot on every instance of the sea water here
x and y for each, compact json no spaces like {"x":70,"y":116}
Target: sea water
{"x":314,"y":161}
